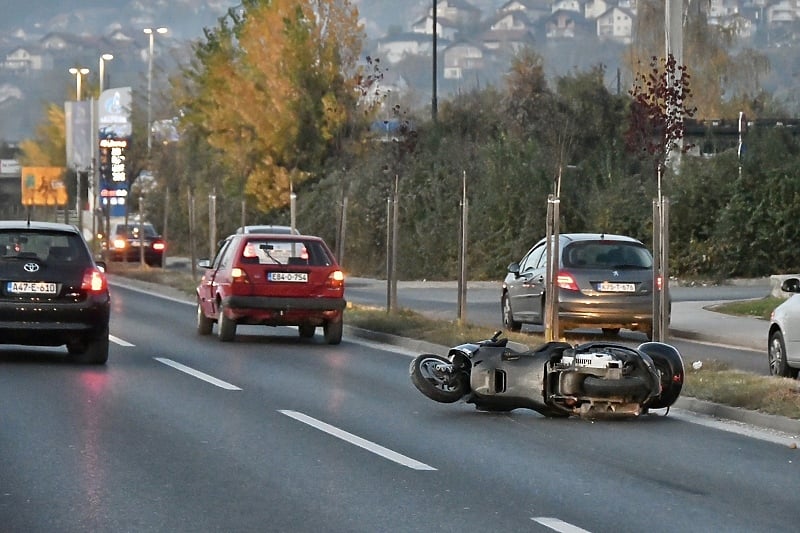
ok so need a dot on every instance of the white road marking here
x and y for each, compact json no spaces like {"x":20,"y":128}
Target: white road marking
{"x":558,"y":525}
{"x":196,"y":373}
{"x":357,"y":441}
{"x":119,"y":341}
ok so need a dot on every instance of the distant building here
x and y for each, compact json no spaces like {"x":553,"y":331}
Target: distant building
{"x":23,"y":60}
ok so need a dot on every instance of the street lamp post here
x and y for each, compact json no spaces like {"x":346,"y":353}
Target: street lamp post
{"x":103,"y":59}
{"x":79,"y":73}
{"x":150,"y":32}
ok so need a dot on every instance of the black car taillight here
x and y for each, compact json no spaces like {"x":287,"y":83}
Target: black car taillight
{"x":159,"y":246}
{"x":94,"y":281}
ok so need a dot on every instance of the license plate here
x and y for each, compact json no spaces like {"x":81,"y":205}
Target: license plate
{"x":608,"y":286}
{"x":300,"y":277}
{"x":31,"y":287}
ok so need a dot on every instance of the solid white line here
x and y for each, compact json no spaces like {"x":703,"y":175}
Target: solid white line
{"x":196,"y":373}
{"x":558,"y":525}
{"x":358,"y":441}
{"x":119,"y":341}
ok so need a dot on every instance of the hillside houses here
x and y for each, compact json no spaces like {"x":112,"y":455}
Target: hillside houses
{"x":470,"y":39}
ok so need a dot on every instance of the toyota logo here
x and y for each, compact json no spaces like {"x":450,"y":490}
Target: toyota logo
{"x":31,"y":267}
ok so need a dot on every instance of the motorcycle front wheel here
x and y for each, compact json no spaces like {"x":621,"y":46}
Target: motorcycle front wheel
{"x":434,"y":377}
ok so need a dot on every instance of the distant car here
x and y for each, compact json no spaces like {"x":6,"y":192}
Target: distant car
{"x":269,"y":228}
{"x":126,"y":242}
{"x":783,"y":346}
{"x":604,"y":281}
{"x":52,"y":292}
{"x":271,"y":280}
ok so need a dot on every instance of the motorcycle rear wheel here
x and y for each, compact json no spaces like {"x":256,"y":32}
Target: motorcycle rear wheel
{"x":433,"y":376}
{"x":669,"y":362}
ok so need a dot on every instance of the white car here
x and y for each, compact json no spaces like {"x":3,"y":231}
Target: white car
{"x":783,"y":347}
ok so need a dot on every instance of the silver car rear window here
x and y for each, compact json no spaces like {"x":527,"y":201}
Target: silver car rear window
{"x":607,"y":254}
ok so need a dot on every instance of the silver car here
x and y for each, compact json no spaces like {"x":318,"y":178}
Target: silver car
{"x":783,"y":346}
{"x":604,"y":281}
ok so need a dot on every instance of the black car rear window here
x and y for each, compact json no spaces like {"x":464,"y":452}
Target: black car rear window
{"x":42,"y":245}
{"x":606,"y":254}
{"x":133,"y":230}
{"x":285,"y":252}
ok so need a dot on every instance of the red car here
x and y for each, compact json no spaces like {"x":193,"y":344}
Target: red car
{"x":272,"y":280}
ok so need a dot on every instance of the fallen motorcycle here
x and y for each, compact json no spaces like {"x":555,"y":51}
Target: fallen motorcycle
{"x":557,"y":379}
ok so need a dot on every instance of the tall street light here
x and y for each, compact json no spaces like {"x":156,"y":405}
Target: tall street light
{"x":79,"y":73}
{"x":151,"y":32}
{"x":103,"y":59}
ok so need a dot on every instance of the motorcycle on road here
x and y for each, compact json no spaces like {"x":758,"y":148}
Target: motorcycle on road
{"x":591,"y":380}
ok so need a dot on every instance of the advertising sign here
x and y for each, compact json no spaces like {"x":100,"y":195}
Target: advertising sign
{"x":79,"y":125}
{"x":9,"y":167}
{"x":43,"y":186}
{"x":114,"y":136}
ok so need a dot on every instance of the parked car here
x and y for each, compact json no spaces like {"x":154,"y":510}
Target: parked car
{"x":273,"y":280}
{"x":604,"y":281}
{"x":783,"y":346}
{"x":268,"y":228}
{"x":127,"y":241}
{"x":52,"y":292}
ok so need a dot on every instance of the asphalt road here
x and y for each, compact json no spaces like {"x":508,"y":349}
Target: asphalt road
{"x":274,"y":433}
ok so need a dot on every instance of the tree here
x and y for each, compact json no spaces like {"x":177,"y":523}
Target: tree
{"x":275,"y":90}
{"x":48,"y":148}
{"x":656,"y":127}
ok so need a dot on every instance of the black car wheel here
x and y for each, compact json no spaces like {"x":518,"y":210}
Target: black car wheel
{"x":776,"y":353}
{"x":226,"y":328}
{"x":204,"y":324}
{"x":333,"y":332}
{"x":508,"y":315}
{"x":306,"y":331}
{"x":90,"y":351}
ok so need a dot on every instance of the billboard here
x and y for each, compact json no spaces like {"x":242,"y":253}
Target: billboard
{"x":79,"y":126}
{"x":114,"y":137}
{"x":43,"y":186}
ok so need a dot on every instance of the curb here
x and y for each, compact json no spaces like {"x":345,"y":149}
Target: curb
{"x":753,"y":418}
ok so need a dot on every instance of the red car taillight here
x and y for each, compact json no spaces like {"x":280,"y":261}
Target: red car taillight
{"x":335,"y":280}
{"x":659,"y":282}
{"x":159,"y":246}
{"x":238,"y":275}
{"x":566,"y":281}
{"x":94,"y":280}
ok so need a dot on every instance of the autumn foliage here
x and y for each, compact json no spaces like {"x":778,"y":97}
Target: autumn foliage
{"x":275,"y":89}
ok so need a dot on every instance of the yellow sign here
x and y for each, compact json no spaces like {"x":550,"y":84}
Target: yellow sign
{"x":43,"y":186}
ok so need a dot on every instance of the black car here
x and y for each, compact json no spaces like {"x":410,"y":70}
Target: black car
{"x":604,"y":281}
{"x":127,"y":241}
{"x":52,"y":292}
